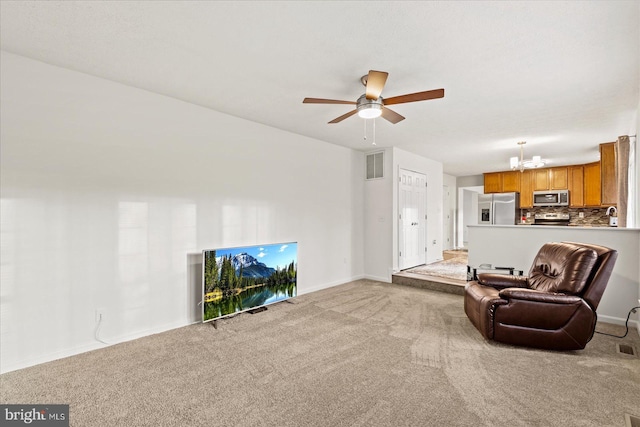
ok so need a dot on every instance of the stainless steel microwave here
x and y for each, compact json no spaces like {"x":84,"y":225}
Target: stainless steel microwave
{"x":551,"y":198}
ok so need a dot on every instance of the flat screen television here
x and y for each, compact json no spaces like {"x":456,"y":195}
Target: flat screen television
{"x":248,"y":277}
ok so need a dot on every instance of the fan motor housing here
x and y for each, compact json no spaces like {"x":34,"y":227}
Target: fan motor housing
{"x":369,"y":108}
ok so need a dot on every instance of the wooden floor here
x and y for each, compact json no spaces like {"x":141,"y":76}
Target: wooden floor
{"x":454,"y":253}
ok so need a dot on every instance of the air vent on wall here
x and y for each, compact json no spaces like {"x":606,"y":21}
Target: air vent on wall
{"x":375,"y":165}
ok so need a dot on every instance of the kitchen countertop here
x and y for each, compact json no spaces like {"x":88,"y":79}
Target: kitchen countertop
{"x":591,"y":225}
{"x":560,"y":227}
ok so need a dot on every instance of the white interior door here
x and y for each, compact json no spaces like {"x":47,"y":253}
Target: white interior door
{"x":412,"y":221}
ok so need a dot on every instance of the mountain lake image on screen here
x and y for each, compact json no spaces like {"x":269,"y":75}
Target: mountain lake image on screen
{"x":248,"y":277}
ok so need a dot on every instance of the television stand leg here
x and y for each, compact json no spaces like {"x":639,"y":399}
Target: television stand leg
{"x":214,"y":324}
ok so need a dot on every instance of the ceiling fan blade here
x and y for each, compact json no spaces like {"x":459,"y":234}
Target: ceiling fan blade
{"x":344,"y":116}
{"x":325,"y":101}
{"x":391,"y":115}
{"x":413,"y":97}
{"x":375,"y":83}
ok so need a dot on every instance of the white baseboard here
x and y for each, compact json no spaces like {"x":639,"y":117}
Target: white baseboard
{"x":61,"y":354}
{"x":330,"y":285}
{"x":377,"y":279}
{"x":49,"y":357}
{"x":108,"y":341}
{"x":619,"y":321}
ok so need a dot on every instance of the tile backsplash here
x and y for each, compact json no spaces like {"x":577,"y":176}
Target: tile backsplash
{"x":592,"y":216}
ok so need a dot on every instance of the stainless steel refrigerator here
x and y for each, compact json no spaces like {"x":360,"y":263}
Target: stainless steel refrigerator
{"x":499,"y":208}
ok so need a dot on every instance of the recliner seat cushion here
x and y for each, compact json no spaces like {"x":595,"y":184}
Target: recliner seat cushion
{"x":562,"y":268}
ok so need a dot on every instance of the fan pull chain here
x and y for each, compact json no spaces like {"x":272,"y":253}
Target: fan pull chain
{"x":365,"y":130}
{"x":374,"y":132}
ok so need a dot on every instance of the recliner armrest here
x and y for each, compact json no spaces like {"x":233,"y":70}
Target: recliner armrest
{"x":537,"y":296}
{"x":501,"y":281}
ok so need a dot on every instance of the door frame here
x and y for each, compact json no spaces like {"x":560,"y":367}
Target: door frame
{"x":399,"y":223}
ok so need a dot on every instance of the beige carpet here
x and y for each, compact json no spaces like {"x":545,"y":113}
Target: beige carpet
{"x":359,"y":354}
{"x":452,"y":268}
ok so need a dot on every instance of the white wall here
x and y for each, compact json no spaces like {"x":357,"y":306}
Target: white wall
{"x":378,"y":221}
{"x":467,"y":212}
{"x":467,"y":188}
{"x":109,"y":192}
{"x":381,"y":213}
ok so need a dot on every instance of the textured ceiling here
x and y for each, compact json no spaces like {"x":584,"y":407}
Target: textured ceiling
{"x":563,"y":76}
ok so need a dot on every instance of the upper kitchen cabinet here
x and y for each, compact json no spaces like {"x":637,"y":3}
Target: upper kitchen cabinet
{"x":559,"y":178}
{"x":551,"y":179}
{"x":493,"y":182}
{"x":502,"y":182}
{"x":592,"y":185}
{"x":526,"y":189}
{"x":540,"y":179}
{"x":608,"y":174}
{"x":576,"y":186}
{"x":511,"y":181}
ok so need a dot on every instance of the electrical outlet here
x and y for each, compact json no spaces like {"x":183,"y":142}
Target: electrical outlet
{"x":100,"y":315}
{"x":528,"y":214}
{"x":580,"y":214}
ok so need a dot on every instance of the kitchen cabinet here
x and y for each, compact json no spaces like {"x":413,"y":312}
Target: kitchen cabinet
{"x":540,"y":179}
{"x":559,"y":178}
{"x":592,"y":185}
{"x":576,"y":186}
{"x":511,"y":181}
{"x":551,"y":179}
{"x":608,"y":174}
{"x":493,"y":182}
{"x":526,"y":189}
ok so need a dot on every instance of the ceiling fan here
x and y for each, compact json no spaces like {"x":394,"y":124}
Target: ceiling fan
{"x":371,"y":104}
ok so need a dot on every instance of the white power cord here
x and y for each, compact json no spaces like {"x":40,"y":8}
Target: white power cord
{"x":97,"y":331}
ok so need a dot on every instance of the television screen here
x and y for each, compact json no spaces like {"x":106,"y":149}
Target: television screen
{"x":245,"y":278}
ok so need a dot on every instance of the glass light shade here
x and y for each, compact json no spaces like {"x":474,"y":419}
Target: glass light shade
{"x":371,"y":112}
{"x":535,"y":162}
{"x":514,"y":162}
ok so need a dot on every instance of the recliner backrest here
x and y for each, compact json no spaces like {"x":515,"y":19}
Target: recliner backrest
{"x":563,"y":268}
{"x":600,"y":274}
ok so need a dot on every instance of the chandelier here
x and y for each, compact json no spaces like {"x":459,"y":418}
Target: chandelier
{"x":522,"y":164}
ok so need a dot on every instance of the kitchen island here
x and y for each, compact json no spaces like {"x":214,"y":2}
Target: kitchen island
{"x":517,"y":245}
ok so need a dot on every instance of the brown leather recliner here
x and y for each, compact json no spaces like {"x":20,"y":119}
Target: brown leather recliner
{"x":552,"y":308}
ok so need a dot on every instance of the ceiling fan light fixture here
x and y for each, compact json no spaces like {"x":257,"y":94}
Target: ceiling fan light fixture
{"x":370,"y":112}
{"x":369,"y":108}
{"x":371,"y":105}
